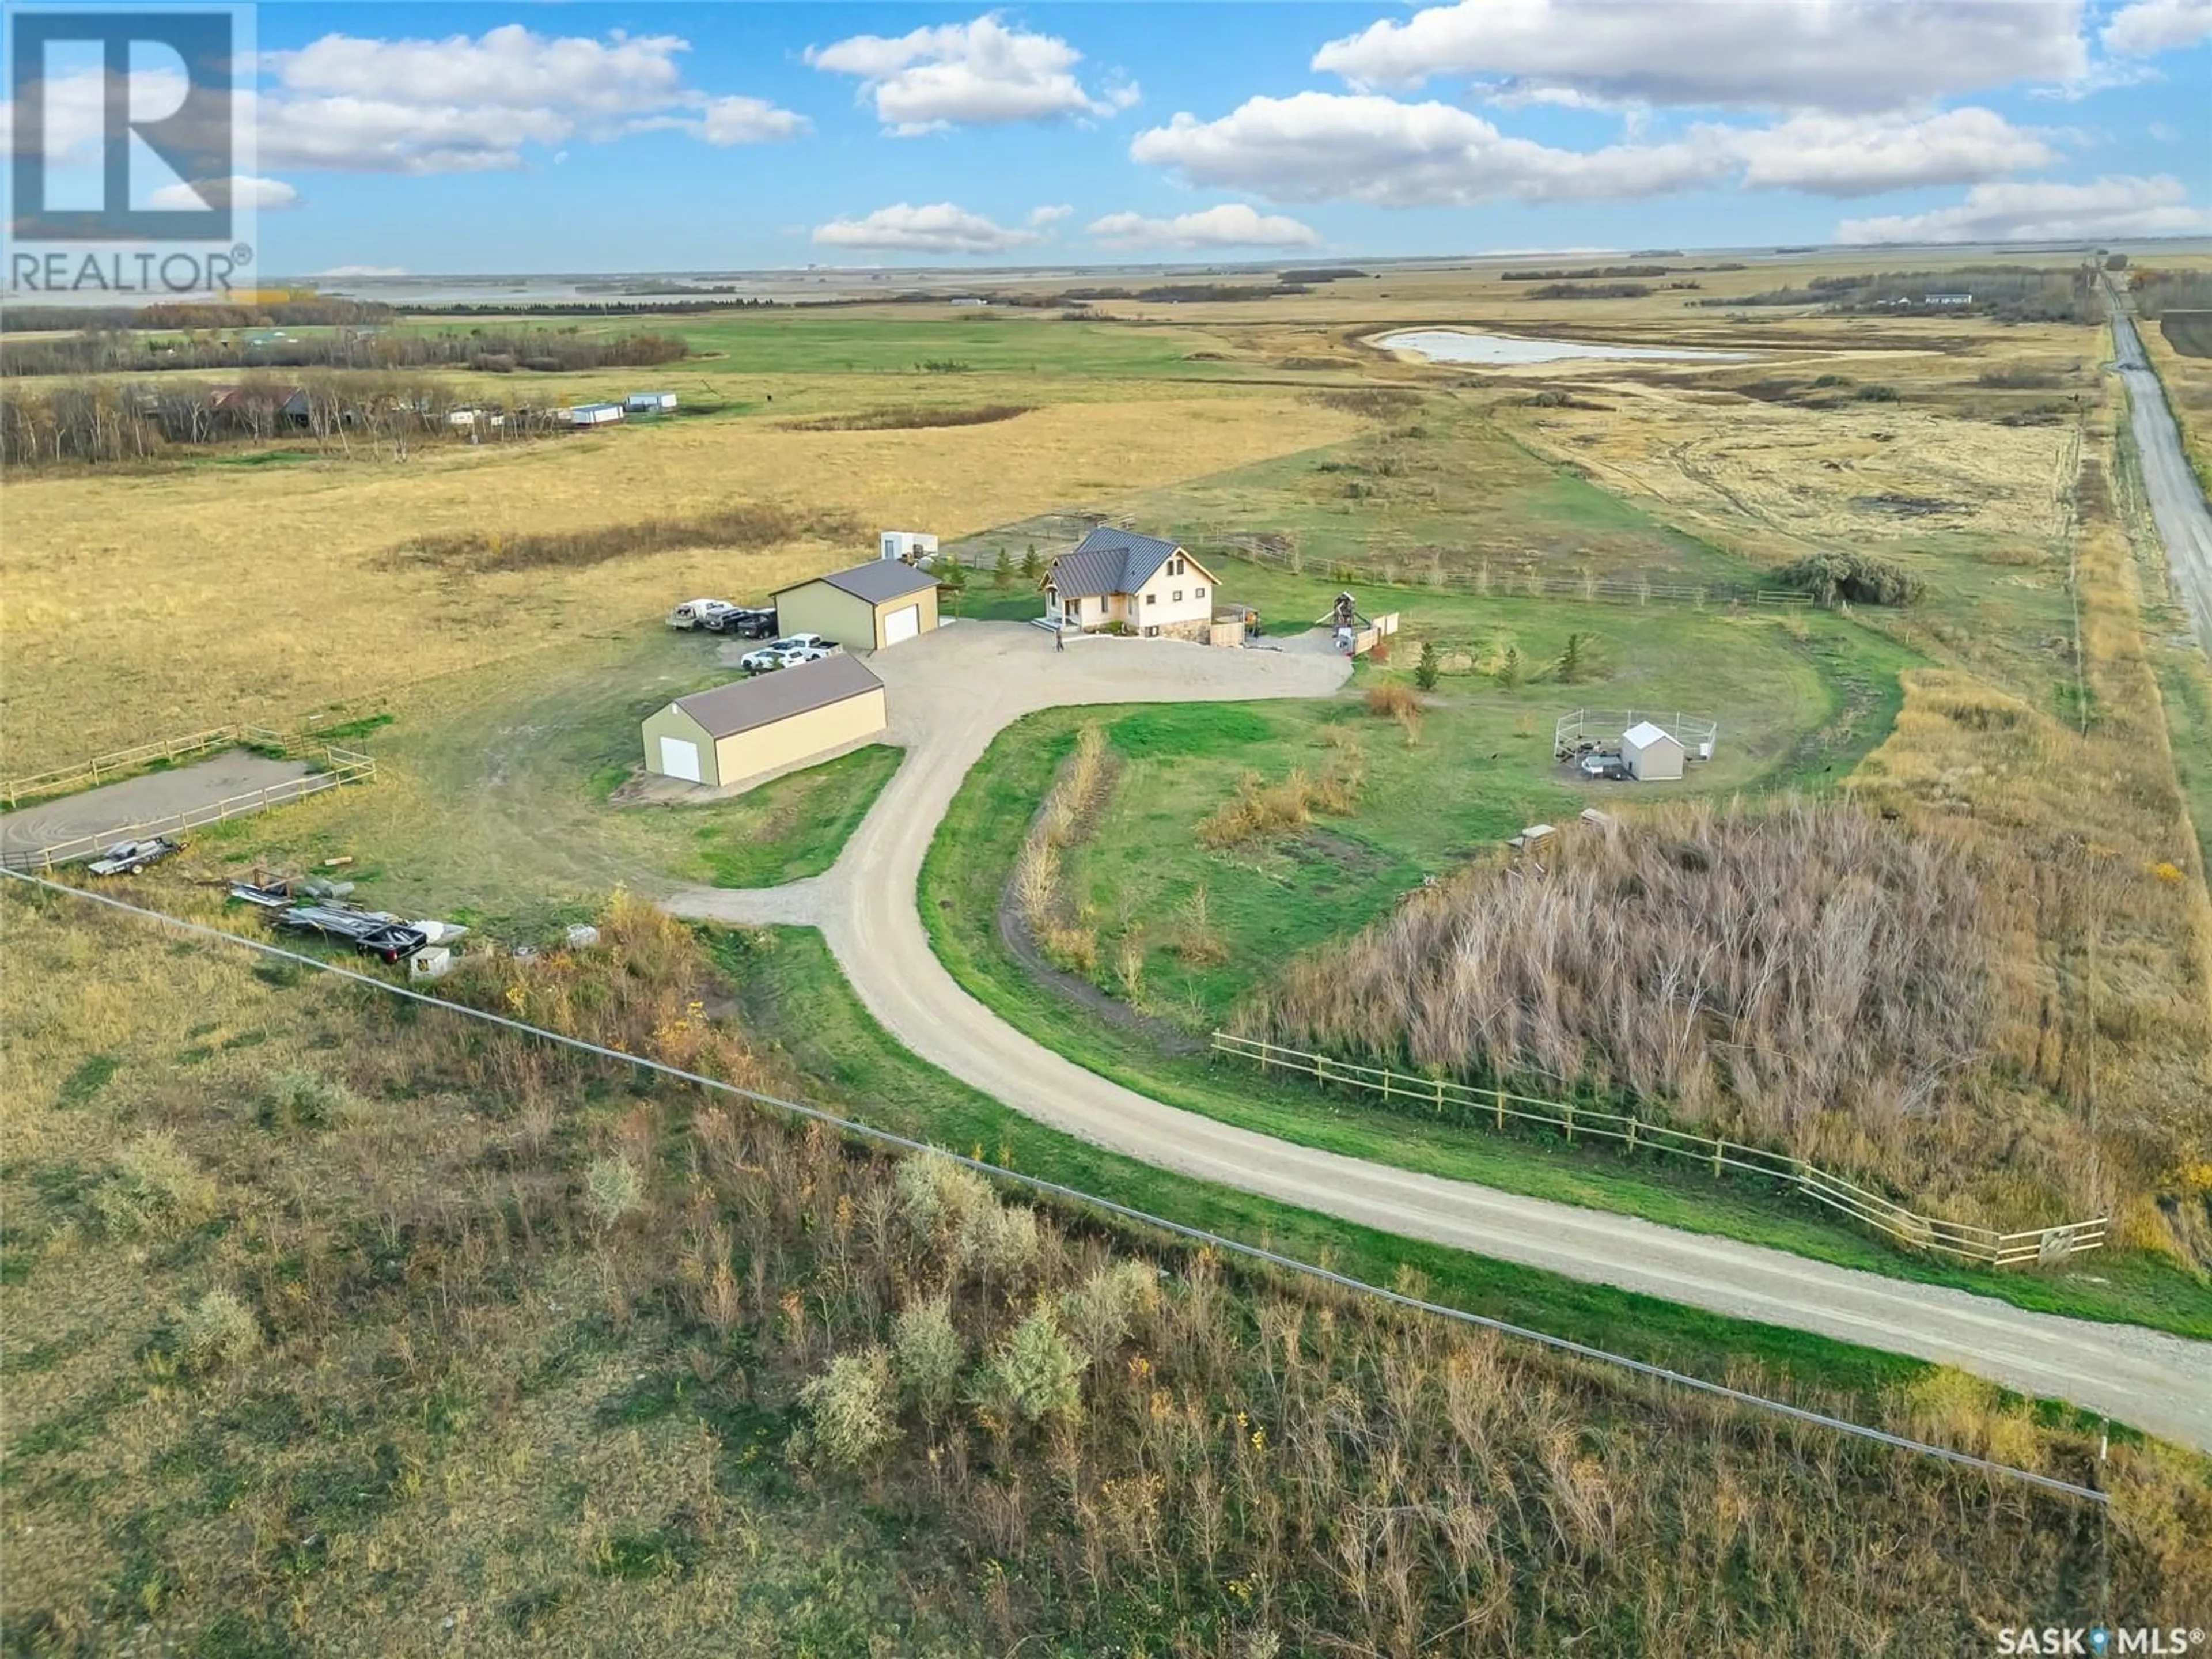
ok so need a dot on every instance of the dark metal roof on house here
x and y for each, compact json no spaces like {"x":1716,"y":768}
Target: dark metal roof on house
{"x":1110,"y":561}
{"x":875,"y":582}
{"x":767,"y":698}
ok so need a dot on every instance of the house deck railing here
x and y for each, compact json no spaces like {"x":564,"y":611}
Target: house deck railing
{"x":1497,"y":1107}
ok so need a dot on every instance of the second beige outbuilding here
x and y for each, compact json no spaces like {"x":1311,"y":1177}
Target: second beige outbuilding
{"x":769,"y":723}
{"x":864,"y":609}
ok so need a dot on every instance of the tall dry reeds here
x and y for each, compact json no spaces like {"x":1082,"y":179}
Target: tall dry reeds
{"x":1754,"y":967}
{"x":1067,"y":941}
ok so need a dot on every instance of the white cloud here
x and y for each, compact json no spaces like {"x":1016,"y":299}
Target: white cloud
{"x":240,"y":190}
{"x":1810,"y":54}
{"x":2105,"y":211}
{"x":362,"y":271}
{"x":959,"y":74}
{"x":940,"y":228}
{"x":1232,"y":224}
{"x":1319,"y":147}
{"x":459,"y":105}
{"x":2153,"y":26}
{"x":1861,"y":155}
{"x":1042,"y":217}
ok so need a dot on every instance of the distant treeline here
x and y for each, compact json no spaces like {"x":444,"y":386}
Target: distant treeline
{"x":1585,"y":275}
{"x":317,"y":313}
{"x":2158,"y":292}
{"x":1320,"y":274}
{"x":589,"y":308}
{"x":105,"y":351}
{"x":1598,"y":290}
{"x":2010,"y":294}
{"x":1164,"y":294}
{"x":106,"y":423}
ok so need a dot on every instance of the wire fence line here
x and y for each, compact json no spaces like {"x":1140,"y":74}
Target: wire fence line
{"x":120,"y":762}
{"x":874,"y":1136}
{"x":341,"y":767}
{"x":1508,"y":580}
{"x":1985,"y":1246}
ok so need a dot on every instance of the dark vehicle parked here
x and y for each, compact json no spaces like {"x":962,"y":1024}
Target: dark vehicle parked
{"x":745,"y":624}
{"x":128,"y":858}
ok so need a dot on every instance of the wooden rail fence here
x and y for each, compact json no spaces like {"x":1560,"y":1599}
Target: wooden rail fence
{"x":1514,"y":582}
{"x":342,"y":767}
{"x":123,"y":763}
{"x":1499,"y":1106}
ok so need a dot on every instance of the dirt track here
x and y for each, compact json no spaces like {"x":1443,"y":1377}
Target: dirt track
{"x":951,"y":691}
{"x":2185,"y":524}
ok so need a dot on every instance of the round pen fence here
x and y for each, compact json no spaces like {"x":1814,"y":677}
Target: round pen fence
{"x":1693,"y":732}
{"x":1499,"y":1107}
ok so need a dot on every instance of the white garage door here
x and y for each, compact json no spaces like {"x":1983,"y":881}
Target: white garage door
{"x":680,"y":759}
{"x":903,"y":624}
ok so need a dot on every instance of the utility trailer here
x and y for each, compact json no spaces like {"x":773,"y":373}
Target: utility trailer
{"x":128,"y":858}
{"x":373,"y":935}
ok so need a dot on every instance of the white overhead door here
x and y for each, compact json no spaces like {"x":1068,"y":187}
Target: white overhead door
{"x":680,"y":759}
{"x":903,"y":624}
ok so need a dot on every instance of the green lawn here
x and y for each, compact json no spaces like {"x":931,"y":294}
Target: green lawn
{"x":1265,"y":907}
{"x":770,"y":343}
{"x":793,"y":995}
{"x":490,"y":803}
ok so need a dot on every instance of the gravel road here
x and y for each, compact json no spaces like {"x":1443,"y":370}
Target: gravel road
{"x":952,"y":690}
{"x":2177,"y":503}
{"x":154,"y":798}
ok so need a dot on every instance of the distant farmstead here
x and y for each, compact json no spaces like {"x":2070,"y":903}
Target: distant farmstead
{"x":650,"y":402}
{"x":1141,"y":583}
{"x":769,"y":723}
{"x":593,"y":414}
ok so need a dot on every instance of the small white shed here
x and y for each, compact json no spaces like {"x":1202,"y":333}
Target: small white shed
{"x":650,"y":402}
{"x":908,"y":545}
{"x":594,"y":414}
{"x":1651,"y":753}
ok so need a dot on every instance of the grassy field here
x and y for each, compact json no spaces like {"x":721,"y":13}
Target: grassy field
{"x":280,"y":589}
{"x":491,"y":800}
{"x":579,"y":1404}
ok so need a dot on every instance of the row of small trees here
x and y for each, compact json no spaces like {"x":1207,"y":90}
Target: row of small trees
{"x":139,"y":351}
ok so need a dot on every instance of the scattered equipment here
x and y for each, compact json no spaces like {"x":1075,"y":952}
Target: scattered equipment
{"x":128,"y":858}
{"x":911,"y":545}
{"x":373,"y":935}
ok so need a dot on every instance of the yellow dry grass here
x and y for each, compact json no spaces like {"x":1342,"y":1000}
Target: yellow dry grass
{"x":166,"y":601}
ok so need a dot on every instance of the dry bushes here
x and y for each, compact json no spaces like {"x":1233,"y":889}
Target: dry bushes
{"x":1260,"y":810}
{"x":1752,"y":970}
{"x":1074,"y":795}
{"x":745,"y":526}
{"x":1392,"y":701}
{"x":896,"y":418}
{"x":1074,"y":1441}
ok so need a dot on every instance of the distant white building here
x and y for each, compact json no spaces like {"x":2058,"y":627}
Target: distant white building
{"x":969,"y":299}
{"x":650,"y":402}
{"x":593,"y":414}
{"x":908,"y":545}
{"x":1651,"y":753}
{"x":1946,"y":299}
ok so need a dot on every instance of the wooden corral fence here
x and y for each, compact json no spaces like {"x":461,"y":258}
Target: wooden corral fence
{"x":1514,"y":582}
{"x":341,"y":767}
{"x":1381,"y":629}
{"x":124,"y":763}
{"x":1497,"y":1107}
{"x":1695,"y":733}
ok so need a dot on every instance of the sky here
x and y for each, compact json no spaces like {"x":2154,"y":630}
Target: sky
{"x":445,"y":139}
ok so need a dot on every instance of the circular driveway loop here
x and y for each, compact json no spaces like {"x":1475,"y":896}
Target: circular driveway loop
{"x":951,"y":693}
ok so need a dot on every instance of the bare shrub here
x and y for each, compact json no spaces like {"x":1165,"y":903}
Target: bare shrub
{"x":851,"y":1408}
{"x":937,"y":1194}
{"x":220,"y":1330}
{"x":1259,"y":810}
{"x":743,"y":527}
{"x":612,"y":1190}
{"x":1036,"y":1371}
{"x":1765,"y":965}
{"x":154,"y":1188}
{"x":1393,"y":700}
{"x":927,"y":1352}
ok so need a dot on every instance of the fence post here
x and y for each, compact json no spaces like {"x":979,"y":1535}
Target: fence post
{"x":1717,"y":1160}
{"x":1631,"y":1134}
{"x":1571,"y":1122}
{"x":1440,"y":1097}
{"x":1501,"y":1105}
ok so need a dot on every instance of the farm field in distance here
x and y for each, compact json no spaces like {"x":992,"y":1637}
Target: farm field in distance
{"x":333,"y":1315}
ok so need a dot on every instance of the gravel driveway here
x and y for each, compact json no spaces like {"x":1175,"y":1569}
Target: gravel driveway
{"x":951,"y":693}
{"x":2177,"y":503}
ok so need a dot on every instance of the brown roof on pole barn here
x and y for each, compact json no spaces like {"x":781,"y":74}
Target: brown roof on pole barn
{"x":767,"y":698}
{"x":876,"y":581}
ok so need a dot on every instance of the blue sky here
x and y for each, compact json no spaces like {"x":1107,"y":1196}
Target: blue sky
{"x":436,"y":138}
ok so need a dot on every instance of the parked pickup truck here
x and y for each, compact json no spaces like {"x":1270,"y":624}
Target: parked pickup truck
{"x":700,"y":613}
{"x":746,"y":624}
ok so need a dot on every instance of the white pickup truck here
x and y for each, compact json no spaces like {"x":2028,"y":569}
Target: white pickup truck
{"x":700,"y":613}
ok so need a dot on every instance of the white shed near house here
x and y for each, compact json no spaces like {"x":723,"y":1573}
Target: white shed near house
{"x":1651,"y":753}
{"x":594,"y":414}
{"x":908,"y":545}
{"x":650,"y":402}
